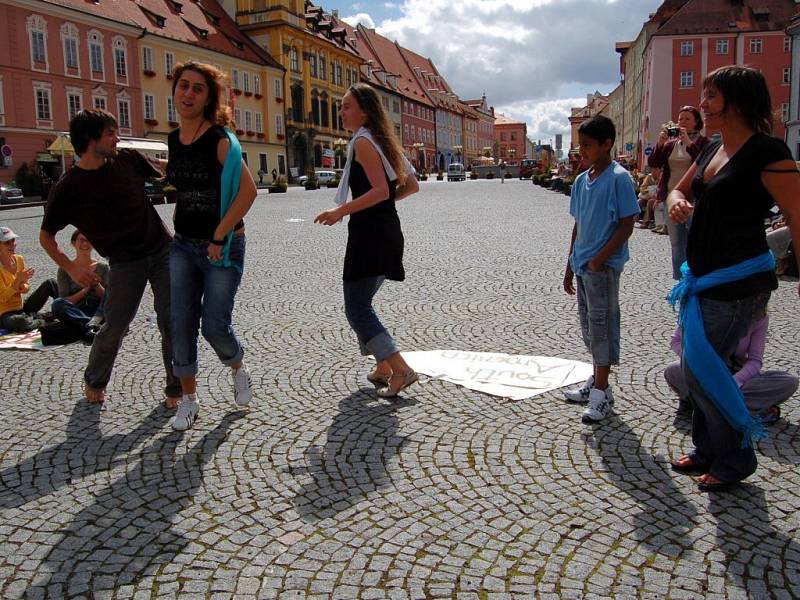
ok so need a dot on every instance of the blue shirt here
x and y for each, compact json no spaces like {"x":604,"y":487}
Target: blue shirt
{"x":597,"y":207}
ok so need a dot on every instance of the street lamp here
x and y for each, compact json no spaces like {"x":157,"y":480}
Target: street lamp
{"x":420,"y":147}
{"x":339,"y":147}
{"x":511,"y":153}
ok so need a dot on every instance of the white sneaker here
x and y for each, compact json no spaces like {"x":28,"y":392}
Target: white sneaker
{"x":96,"y":321}
{"x":599,"y":406}
{"x":242,"y":386}
{"x":581,"y":394}
{"x":186,"y":413}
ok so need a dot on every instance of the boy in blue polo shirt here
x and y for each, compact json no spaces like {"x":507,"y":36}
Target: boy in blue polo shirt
{"x":603,"y":204}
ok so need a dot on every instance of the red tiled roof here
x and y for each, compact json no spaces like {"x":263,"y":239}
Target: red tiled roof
{"x":329,"y":28}
{"x":716,"y":16}
{"x":430,"y":80}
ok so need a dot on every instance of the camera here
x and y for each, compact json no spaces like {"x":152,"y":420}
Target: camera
{"x":673,"y":132}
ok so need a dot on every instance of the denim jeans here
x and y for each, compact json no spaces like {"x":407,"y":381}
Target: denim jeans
{"x":678,"y":236}
{"x":373,"y":338}
{"x":126,"y":284}
{"x":598,"y":309}
{"x":203,"y":297}
{"x":76,"y":314}
{"x":716,"y":443}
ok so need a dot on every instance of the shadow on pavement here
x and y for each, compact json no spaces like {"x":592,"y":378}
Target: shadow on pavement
{"x":361,"y":442}
{"x":760,"y":560}
{"x":666,"y":516}
{"x":126,"y":533}
{"x":85,"y":452}
{"x":783,"y":443}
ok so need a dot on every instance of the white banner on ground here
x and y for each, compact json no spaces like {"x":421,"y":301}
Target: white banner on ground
{"x":513,"y":376}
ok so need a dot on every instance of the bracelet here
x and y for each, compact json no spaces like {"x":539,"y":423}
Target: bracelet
{"x":217,"y":242}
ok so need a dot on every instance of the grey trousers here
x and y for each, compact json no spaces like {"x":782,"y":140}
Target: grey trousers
{"x":762,"y":392}
{"x":126,"y":285}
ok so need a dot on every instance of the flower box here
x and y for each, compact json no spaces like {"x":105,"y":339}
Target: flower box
{"x":149,"y":72}
{"x":258,"y":96}
{"x":251,"y":133}
{"x":278,"y":100}
{"x":151,"y":122}
{"x":240,"y":132}
{"x":173,"y":124}
{"x":280,"y":136}
{"x":248,"y":94}
{"x":237,"y":91}
{"x":260,"y":136}
{"x":168,"y":75}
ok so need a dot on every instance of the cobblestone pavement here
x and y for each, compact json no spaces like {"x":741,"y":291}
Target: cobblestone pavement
{"x":322,"y":490}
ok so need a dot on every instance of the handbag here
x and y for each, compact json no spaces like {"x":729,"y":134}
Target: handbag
{"x":57,"y":333}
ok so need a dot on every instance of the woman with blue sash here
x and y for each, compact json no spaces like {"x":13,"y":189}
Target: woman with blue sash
{"x":215,"y":190}
{"x":729,"y":273}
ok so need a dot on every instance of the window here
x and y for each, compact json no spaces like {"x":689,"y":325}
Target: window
{"x":294,"y":63}
{"x":756,"y":45}
{"x":69,"y":37}
{"x":257,"y":84}
{"x":722,"y":47}
{"x":787,"y":75}
{"x":120,"y":57}
{"x":322,"y":74}
{"x":74,"y":101}
{"x":147,"y":59}
{"x":312,"y":64}
{"x":349,"y":78}
{"x":395,"y":107}
{"x":37,"y":35}
{"x":687,"y":79}
{"x":784,"y":112}
{"x":172,"y":117}
{"x":237,"y":117}
{"x":787,"y":44}
{"x":246,"y":81}
{"x":687,"y":48}
{"x":259,"y":123}
{"x":279,"y":124}
{"x":42,"y":91}
{"x":96,"y":54}
{"x":338,"y":75}
{"x":169,"y":63}
{"x":323,"y":109}
{"x":99,"y":101}
{"x":124,"y":112}
{"x":235,"y":79}
{"x":248,"y":120}
{"x":502,"y":136}
{"x":149,"y":106}
{"x":278,"y":85}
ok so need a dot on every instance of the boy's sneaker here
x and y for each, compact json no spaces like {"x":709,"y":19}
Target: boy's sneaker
{"x":242,"y":386}
{"x":600,"y":402}
{"x":186,"y":414}
{"x":581,"y":394}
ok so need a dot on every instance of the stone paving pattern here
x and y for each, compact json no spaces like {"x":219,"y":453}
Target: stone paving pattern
{"x":322,"y":490}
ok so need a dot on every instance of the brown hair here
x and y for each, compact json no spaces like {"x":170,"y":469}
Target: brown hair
{"x":745,"y":90}
{"x":214,"y":110}
{"x":698,"y":118}
{"x":381,"y":128}
{"x":88,"y":125}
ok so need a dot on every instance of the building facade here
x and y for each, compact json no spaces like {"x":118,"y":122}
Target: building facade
{"x":510,"y":138}
{"x":595,"y":104}
{"x":793,"y":120}
{"x":485,"y":133}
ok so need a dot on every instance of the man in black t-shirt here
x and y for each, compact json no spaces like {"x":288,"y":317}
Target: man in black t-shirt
{"x":104,"y":197}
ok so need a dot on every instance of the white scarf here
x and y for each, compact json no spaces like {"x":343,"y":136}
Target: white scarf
{"x":344,"y":187}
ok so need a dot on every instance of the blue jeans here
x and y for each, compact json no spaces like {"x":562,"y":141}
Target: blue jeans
{"x":76,"y":314}
{"x":678,"y":236}
{"x":716,"y":443}
{"x":373,"y":338}
{"x":203,"y":293}
{"x":598,"y":309}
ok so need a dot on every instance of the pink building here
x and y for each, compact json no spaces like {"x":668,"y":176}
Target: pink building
{"x":53,"y":63}
{"x":703,"y":35}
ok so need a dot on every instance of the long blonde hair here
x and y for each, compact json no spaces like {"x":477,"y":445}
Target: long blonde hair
{"x":381,"y":128}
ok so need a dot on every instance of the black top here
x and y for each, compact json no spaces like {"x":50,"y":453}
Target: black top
{"x":196,"y":172}
{"x":110,"y":207}
{"x":375,"y":240}
{"x":728,"y":223}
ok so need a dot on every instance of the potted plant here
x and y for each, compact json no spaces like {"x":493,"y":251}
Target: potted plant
{"x":473,"y":174}
{"x":258,"y":96}
{"x":489,"y":174}
{"x":237,"y":91}
{"x":334,"y":183}
{"x":279,"y":187}
{"x":151,"y":122}
{"x":440,"y":175}
{"x":260,"y":135}
{"x":311,"y":183}
{"x":149,"y":72}
{"x":173,"y":124}
{"x":424,"y":176}
{"x":251,"y":133}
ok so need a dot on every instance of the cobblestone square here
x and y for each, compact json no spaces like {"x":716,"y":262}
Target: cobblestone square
{"x":322,"y":490}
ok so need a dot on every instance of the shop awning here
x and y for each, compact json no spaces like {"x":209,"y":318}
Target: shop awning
{"x":143,"y":145}
{"x":61,"y":145}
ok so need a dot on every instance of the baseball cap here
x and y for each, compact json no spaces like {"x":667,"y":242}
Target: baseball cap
{"x":6,"y":235}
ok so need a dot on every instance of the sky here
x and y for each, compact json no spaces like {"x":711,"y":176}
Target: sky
{"x":534,"y":59}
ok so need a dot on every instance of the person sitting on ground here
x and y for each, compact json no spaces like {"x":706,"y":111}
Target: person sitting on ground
{"x":648,"y":196}
{"x":79,"y":305}
{"x":15,"y":315}
{"x":763,"y":391}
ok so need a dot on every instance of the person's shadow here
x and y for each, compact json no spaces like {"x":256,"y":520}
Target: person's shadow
{"x":361,"y":442}
{"x":758,"y":557}
{"x":126,"y":533}
{"x":85,"y":452}
{"x":665,"y":515}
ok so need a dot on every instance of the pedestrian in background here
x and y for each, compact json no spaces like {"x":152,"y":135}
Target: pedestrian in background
{"x":730,"y":272}
{"x":214,"y":192}
{"x":603,"y":203}
{"x":378,"y":175}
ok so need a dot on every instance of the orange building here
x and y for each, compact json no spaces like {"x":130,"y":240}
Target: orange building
{"x":509,"y":139}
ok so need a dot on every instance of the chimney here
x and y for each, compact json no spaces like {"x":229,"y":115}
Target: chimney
{"x":335,"y":12}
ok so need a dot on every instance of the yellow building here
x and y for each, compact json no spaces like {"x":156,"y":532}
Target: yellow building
{"x":206,"y":33}
{"x":321,"y":62}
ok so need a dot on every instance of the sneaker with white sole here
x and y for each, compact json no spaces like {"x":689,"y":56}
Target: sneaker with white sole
{"x":242,"y":386}
{"x":599,"y":405}
{"x":580,"y":395}
{"x":186,"y":413}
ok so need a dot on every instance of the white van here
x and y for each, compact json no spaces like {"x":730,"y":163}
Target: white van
{"x":455,"y":172}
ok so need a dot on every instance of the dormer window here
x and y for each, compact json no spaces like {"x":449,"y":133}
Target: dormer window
{"x":177,"y":7}
{"x":161,"y":21}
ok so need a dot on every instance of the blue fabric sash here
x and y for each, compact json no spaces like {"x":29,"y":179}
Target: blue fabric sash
{"x":707,"y":366}
{"x":231,"y":177}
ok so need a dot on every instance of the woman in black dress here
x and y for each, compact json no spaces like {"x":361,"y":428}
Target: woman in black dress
{"x":734,"y":183}
{"x":377,"y":174}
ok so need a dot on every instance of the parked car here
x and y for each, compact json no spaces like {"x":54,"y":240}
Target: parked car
{"x":455,"y":172}
{"x":322,"y":176}
{"x":10,"y":195}
{"x":528,"y":168}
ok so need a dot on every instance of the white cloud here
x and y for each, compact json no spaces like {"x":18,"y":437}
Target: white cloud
{"x":360,"y":19}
